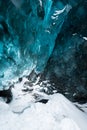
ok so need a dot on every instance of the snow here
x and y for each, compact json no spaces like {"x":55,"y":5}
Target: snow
{"x":26,"y":113}
{"x":58,"y":12}
{"x":40,"y":3}
{"x":82,"y":107}
{"x":85,"y":38}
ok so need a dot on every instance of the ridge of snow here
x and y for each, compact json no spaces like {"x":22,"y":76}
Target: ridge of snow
{"x":25,"y":113}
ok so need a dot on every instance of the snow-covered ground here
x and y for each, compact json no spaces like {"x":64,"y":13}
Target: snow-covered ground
{"x":26,"y":113}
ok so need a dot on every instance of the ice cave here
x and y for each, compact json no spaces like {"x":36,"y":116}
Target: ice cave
{"x":43,"y":64}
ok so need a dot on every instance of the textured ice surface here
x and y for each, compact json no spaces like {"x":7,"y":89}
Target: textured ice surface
{"x":67,"y":66}
{"x":33,"y":31}
{"x":28,"y":35}
{"x":25,"y":112}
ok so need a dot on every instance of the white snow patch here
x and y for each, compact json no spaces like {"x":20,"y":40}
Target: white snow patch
{"x":24,"y":113}
{"x":85,"y":38}
{"x":40,"y":2}
{"x":57,"y":12}
{"x":82,"y":107}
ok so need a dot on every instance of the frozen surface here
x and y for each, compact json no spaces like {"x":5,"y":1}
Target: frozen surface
{"x":47,"y":36}
{"x":28,"y":33}
{"x":25,"y":112}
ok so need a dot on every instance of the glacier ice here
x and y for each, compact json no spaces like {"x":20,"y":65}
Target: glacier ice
{"x":67,"y":66}
{"x":46,"y":36}
{"x":32,"y":29}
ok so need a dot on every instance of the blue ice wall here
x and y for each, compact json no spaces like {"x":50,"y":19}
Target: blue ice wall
{"x":30,"y":37}
{"x":28,"y":34}
{"x":46,"y":31}
{"x":67,"y":66}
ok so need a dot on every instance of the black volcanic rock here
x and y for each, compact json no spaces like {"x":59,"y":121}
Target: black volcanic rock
{"x":7,"y":94}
